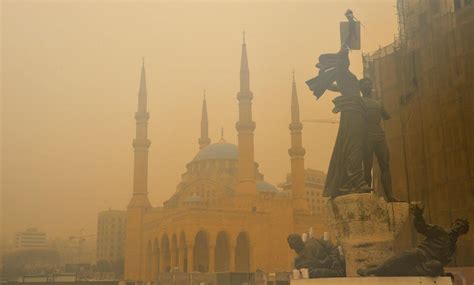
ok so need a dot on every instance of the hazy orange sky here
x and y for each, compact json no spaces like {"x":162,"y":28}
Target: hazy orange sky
{"x":70,"y":74}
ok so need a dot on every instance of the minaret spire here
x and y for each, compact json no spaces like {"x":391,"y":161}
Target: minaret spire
{"x":139,"y":204}
{"x":244,"y":68}
{"x":204,"y":140}
{"x":297,"y":152}
{"x":295,"y":106}
{"x":141,"y":143}
{"x":142,"y":96}
{"x":245,"y":128}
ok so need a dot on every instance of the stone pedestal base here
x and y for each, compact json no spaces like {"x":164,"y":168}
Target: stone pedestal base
{"x":374,"y":281}
{"x":365,"y":226}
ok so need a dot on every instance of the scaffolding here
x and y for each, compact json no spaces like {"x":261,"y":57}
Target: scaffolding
{"x":424,"y":79}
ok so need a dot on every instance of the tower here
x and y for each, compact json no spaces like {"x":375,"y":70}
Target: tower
{"x":139,"y":203}
{"x":297,"y":153}
{"x":245,"y":128}
{"x":204,"y":139}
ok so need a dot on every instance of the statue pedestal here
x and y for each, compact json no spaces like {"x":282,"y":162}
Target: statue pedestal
{"x":365,"y":226}
{"x":374,"y":281}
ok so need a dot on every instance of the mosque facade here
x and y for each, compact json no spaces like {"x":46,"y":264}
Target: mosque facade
{"x":223,"y":217}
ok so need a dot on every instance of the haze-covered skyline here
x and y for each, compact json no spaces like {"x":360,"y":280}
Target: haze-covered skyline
{"x":70,"y":83}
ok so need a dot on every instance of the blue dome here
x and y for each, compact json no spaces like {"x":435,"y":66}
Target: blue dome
{"x":221,"y":150}
{"x":263,"y":186}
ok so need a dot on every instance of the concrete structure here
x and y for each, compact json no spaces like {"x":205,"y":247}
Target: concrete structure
{"x":223,"y":216}
{"x":425,"y":81}
{"x":313,"y":186}
{"x":31,"y":239}
{"x":366,"y":227}
{"x":111,"y":229}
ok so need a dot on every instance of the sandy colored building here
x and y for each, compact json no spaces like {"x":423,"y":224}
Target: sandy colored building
{"x":425,"y":81}
{"x":223,"y":216}
{"x":111,"y":227}
{"x":314,"y":185}
{"x":31,"y":238}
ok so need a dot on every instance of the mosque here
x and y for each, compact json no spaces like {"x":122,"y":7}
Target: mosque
{"x":223,"y":215}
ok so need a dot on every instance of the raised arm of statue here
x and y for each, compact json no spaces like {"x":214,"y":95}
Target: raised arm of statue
{"x":350,"y":17}
{"x":424,"y":228}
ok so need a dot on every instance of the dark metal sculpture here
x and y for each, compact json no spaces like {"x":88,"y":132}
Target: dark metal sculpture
{"x":430,"y":257}
{"x":345,"y":173}
{"x":376,"y":143}
{"x":320,"y":257}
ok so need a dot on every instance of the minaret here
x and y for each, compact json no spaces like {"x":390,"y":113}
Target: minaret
{"x":139,"y":203}
{"x":245,"y":128}
{"x":141,"y":143}
{"x":296,"y":152}
{"x":204,"y":139}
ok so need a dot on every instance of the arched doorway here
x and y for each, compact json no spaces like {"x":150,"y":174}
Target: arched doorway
{"x":221,"y":254}
{"x":149,"y":260}
{"x":183,"y":252}
{"x":242,"y":253}
{"x":165,"y":252}
{"x":174,"y":252}
{"x":156,"y":257}
{"x":201,"y":252}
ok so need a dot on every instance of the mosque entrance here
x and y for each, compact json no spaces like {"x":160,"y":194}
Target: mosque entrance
{"x":242,"y":253}
{"x":156,"y":253}
{"x":201,"y":253}
{"x":174,"y":252}
{"x":149,"y":258}
{"x":165,"y":250}
{"x":221,"y":254}
{"x":183,"y":256}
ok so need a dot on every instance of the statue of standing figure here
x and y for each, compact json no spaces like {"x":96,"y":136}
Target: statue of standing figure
{"x":360,"y":134}
{"x":375,"y":142}
{"x":345,"y":174}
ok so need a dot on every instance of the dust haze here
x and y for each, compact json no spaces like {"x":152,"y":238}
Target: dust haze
{"x":70,"y":74}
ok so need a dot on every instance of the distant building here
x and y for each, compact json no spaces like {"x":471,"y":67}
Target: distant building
{"x":425,"y":81}
{"x":111,"y":226}
{"x":31,"y":239}
{"x":314,"y":184}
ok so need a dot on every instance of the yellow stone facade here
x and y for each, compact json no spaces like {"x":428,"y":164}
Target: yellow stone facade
{"x":223,"y":215}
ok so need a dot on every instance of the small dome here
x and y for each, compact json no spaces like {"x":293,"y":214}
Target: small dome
{"x":220,"y":150}
{"x":263,"y":186}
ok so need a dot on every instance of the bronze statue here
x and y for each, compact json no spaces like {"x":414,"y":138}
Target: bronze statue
{"x":320,"y":257}
{"x":376,"y":142}
{"x":345,"y":173}
{"x":430,"y":257}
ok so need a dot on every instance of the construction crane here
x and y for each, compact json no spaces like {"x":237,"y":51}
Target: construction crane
{"x":81,"y":238}
{"x":323,"y":121}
